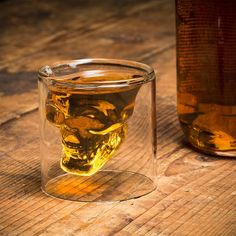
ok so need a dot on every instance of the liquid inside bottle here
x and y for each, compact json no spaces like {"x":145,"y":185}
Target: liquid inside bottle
{"x":206,"y":71}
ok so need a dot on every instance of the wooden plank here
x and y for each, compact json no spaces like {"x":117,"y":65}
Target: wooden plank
{"x":38,"y":24}
{"x":125,"y":33}
{"x":187,"y":181}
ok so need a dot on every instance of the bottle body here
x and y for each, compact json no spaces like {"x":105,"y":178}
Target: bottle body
{"x":206,"y":71}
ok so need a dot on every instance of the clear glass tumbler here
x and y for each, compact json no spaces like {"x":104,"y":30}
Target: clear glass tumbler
{"x":97,"y":129}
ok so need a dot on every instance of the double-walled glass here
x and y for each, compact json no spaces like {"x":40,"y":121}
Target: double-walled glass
{"x":97,"y":129}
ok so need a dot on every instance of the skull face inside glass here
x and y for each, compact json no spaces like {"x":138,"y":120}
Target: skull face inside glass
{"x":93,"y":124}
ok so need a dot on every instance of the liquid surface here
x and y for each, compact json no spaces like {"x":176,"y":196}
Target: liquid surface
{"x":92,"y":123}
{"x":206,"y":49}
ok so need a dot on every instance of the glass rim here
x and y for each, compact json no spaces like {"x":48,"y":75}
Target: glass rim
{"x":47,"y":75}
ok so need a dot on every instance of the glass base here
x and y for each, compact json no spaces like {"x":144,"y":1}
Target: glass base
{"x":217,"y":153}
{"x":202,"y":140}
{"x":106,"y":185}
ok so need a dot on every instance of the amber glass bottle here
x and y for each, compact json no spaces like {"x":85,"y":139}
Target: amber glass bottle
{"x":206,"y":71}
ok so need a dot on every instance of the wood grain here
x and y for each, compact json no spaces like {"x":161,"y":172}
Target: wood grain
{"x":134,"y":37}
{"x":196,"y":193}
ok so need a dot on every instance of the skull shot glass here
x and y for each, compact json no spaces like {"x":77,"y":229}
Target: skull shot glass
{"x":97,"y":129}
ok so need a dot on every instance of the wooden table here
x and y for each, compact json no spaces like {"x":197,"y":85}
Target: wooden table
{"x":196,"y":193}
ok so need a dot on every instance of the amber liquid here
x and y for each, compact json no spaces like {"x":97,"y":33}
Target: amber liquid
{"x":206,"y":70}
{"x":92,"y":123}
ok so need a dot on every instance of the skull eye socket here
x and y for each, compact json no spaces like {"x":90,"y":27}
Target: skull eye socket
{"x":93,"y":113}
{"x":90,"y":113}
{"x":54,"y":115}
